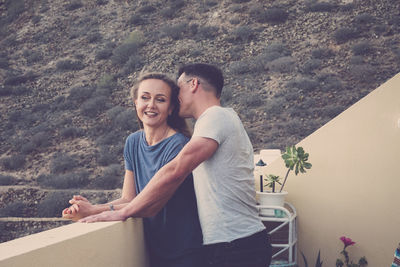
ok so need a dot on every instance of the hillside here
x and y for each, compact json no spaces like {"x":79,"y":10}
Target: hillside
{"x":66,"y":68}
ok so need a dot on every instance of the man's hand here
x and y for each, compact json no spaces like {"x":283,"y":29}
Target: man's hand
{"x":105,"y":216}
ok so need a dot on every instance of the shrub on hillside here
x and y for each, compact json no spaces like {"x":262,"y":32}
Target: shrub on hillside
{"x":331,"y":111}
{"x":69,"y":65}
{"x":362,"y":48}
{"x":94,"y":37}
{"x":13,"y":163}
{"x":106,"y":53}
{"x":321,"y":53}
{"x":365,"y":72}
{"x":41,"y":140}
{"x":64,"y":181}
{"x":32,"y":56}
{"x":243,"y":33}
{"x":94,"y":106}
{"x":282,"y":65}
{"x":364,"y":19}
{"x":73,"y":5}
{"x":105,"y":157}
{"x":101,"y":2}
{"x":273,"y":15}
{"x":135,"y":62}
{"x":168,"y":12}
{"x":80,"y":94}
{"x":239,"y":67}
{"x":54,"y":203}
{"x":310,"y":65}
{"x":128,"y":48}
{"x":7,"y":180}
{"x":110,"y":138}
{"x":146,"y":9}
{"x":14,"y":209}
{"x":14,"y":9}
{"x":110,"y":179}
{"x":330,"y":82}
{"x":174,"y":31}
{"x":15,"y":79}
{"x":71,"y":132}
{"x":314,"y":6}
{"x":105,"y":85}
{"x":274,"y":106}
{"x":13,"y":90}
{"x":240,"y":1}
{"x":304,"y":84}
{"x":136,"y":19}
{"x":345,"y":34}
{"x":61,"y":163}
{"x":4,"y":62}
{"x":207,"y":32}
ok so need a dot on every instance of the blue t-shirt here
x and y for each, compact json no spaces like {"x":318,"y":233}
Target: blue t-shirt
{"x":176,"y":228}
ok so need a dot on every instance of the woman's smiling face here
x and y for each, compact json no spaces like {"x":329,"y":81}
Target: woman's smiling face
{"x":153,"y":103}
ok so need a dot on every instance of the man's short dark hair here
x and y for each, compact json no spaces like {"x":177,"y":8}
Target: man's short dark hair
{"x":210,"y":73}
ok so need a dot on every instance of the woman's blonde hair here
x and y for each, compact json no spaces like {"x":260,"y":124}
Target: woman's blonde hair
{"x":174,"y":120}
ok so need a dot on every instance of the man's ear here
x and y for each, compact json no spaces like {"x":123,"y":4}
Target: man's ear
{"x":194,"y":85}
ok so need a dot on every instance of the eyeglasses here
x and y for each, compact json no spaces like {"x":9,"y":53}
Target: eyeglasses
{"x":188,"y":81}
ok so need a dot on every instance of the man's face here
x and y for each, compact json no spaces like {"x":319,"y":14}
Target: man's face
{"x":184,"y":96}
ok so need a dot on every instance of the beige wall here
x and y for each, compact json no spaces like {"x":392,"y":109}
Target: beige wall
{"x":353,"y":188}
{"x":98,"y":244}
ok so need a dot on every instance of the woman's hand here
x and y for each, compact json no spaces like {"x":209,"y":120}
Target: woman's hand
{"x":80,"y":208}
{"x":105,"y":216}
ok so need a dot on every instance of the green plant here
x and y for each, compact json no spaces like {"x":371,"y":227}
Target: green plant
{"x":271,"y":181}
{"x":318,"y":262}
{"x":347,"y":262}
{"x":295,"y":160}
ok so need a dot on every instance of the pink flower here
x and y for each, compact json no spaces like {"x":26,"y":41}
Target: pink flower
{"x":347,"y":241}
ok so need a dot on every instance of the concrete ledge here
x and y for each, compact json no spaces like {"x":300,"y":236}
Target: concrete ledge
{"x":97,"y":244}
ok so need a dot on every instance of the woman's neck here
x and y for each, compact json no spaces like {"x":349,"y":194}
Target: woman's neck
{"x":156,"y":135}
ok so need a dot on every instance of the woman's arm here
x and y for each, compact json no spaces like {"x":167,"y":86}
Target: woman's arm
{"x":164,"y":183}
{"x":81,"y":207}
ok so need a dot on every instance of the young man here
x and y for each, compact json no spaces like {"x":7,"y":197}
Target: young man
{"x":221,"y":157}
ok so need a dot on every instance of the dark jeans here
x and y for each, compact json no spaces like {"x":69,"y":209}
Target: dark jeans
{"x":252,"y":251}
{"x":193,"y":258}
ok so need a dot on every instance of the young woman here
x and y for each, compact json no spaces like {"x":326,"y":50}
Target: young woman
{"x":173,"y":235}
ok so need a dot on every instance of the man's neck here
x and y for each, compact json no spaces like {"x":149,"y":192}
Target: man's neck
{"x":204,"y":105}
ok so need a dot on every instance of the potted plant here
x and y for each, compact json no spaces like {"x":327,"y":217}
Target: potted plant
{"x":295,"y":160}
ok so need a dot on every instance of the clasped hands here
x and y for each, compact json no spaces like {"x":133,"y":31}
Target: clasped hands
{"x":80,"y":208}
{"x":83,"y":211}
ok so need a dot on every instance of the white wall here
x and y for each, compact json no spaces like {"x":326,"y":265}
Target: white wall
{"x":353,"y":188}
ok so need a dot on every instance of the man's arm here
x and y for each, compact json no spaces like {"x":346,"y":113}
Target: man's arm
{"x":164,"y":183}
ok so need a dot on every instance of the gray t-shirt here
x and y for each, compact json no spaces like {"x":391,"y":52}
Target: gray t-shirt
{"x":224,"y":183}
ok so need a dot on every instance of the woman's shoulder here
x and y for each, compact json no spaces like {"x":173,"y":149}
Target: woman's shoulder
{"x":180,"y":138}
{"x":134,"y":136}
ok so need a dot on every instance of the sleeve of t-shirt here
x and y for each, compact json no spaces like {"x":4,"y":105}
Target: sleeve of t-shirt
{"x":213,"y":125}
{"x":128,"y":153}
{"x":174,"y":148}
